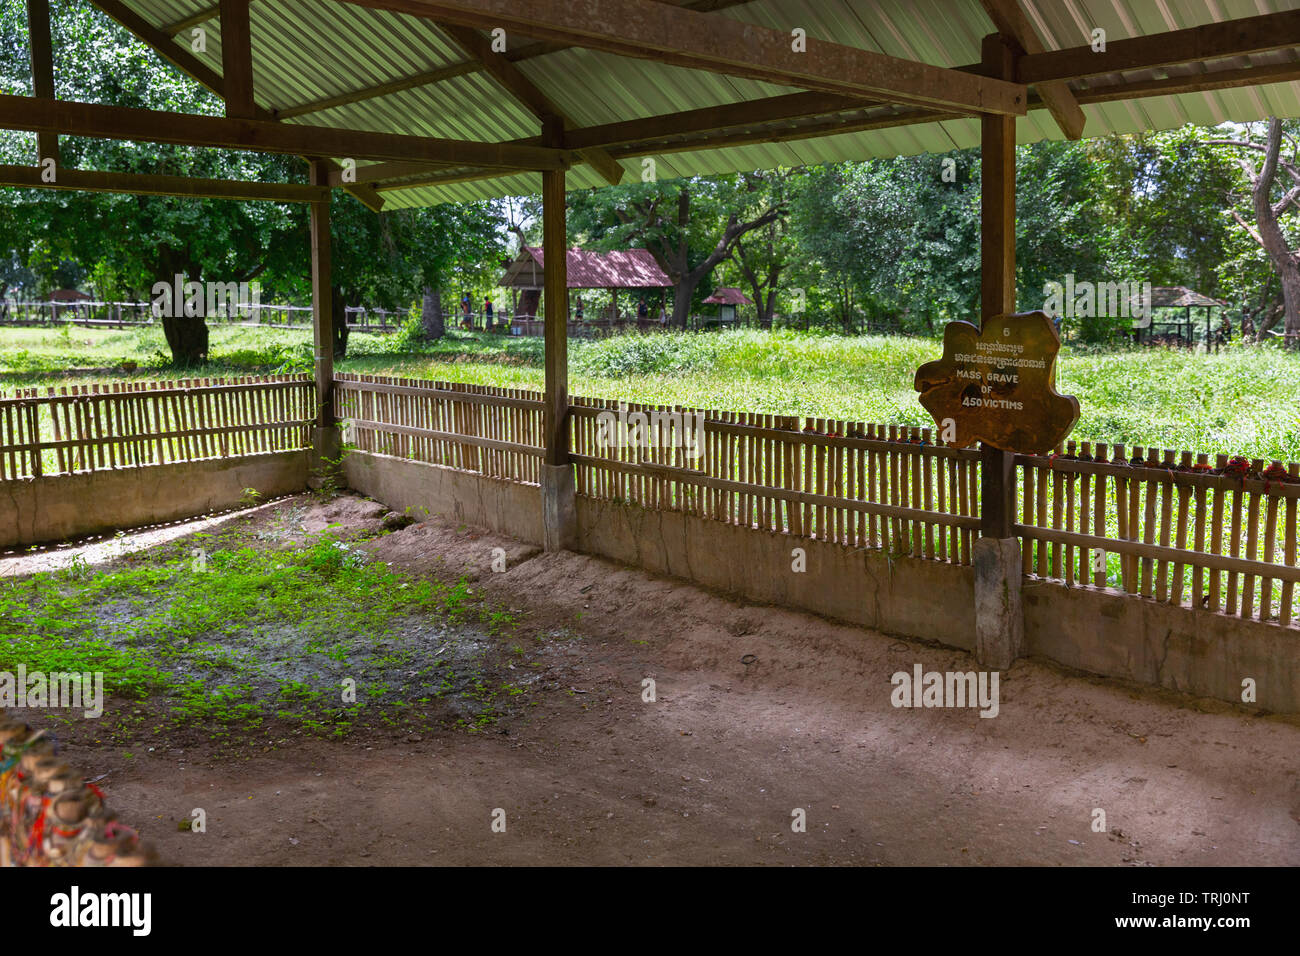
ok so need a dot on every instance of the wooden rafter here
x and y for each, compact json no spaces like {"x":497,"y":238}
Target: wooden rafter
{"x":460,"y":175}
{"x":648,"y":30}
{"x":237,"y":59}
{"x":527,"y":51}
{"x":1272,"y":31}
{"x":707,"y":120}
{"x":426,"y":78}
{"x":153,"y":126}
{"x":1193,"y":83}
{"x":158,"y":185}
{"x":379,"y":172}
{"x":42,"y":55}
{"x":1010,"y":21}
{"x":181,"y":58}
{"x":527,"y":93}
{"x":742,"y":124}
{"x":210,"y":12}
{"x":712,"y":118}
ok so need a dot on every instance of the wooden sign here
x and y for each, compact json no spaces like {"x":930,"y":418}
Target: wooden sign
{"x":998,"y":385}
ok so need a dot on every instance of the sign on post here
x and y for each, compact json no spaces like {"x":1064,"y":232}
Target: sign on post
{"x":998,"y":385}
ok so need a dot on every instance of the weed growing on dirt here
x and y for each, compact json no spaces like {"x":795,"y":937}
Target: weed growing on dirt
{"x":226,"y":635}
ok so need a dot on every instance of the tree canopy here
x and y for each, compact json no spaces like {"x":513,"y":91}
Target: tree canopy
{"x":889,"y":241}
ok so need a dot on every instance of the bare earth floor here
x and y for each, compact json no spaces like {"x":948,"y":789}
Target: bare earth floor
{"x":711,"y":771}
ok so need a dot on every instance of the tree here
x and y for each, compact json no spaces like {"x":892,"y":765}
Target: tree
{"x":763,"y":257}
{"x":902,"y":236}
{"x":127,"y":242}
{"x":688,"y":225}
{"x":394,"y":258}
{"x":1270,"y":199}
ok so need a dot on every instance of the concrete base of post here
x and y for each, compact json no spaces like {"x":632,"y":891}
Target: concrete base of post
{"x":999,"y":619}
{"x":324,"y":468}
{"x":559,"y":513}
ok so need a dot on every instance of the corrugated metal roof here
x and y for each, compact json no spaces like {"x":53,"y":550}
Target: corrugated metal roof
{"x":305,"y":51}
{"x":620,"y":269}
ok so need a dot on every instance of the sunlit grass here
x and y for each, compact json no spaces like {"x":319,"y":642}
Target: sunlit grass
{"x":1242,"y":400}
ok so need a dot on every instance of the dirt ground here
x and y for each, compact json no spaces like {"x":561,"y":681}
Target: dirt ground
{"x":712,"y":770}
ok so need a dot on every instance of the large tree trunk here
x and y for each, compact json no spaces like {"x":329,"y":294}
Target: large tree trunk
{"x":673,"y":257}
{"x":1267,"y":232}
{"x":432,"y":321}
{"x":1272,"y":239}
{"x":682,"y":294}
{"x":187,"y":337}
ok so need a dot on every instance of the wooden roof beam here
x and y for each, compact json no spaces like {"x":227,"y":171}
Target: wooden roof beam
{"x":42,"y":57}
{"x":185,"y":129}
{"x":210,"y":12}
{"x":648,"y":30}
{"x":719,"y":130}
{"x":1010,"y":21}
{"x":380,"y":172}
{"x":1272,"y":31}
{"x":711,"y":118}
{"x":237,"y":59}
{"x":526,"y":52}
{"x":452,"y":176}
{"x":158,"y":185}
{"x":1194,"y":83}
{"x":526,"y":92}
{"x":707,"y":119}
{"x":426,"y":78}
{"x":180,"y":57}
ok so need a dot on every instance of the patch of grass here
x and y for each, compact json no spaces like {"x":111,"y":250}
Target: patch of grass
{"x":242,"y":633}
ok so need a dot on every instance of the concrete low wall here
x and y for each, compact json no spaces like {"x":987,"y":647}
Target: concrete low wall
{"x":1193,"y":651}
{"x":509,"y":507}
{"x":1100,"y":631}
{"x":37,"y":510}
{"x":902,"y":595}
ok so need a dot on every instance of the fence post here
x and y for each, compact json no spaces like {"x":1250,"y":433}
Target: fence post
{"x":559,"y":514}
{"x":999,"y":618}
{"x":325,"y":436}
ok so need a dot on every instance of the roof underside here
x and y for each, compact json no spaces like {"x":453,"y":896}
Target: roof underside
{"x":308,"y":51}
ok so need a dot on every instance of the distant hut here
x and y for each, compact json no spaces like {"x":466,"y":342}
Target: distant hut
{"x":726,"y":299}
{"x":64,"y":299}
{"x":1182,"y":328}
{"x":614,"y":271}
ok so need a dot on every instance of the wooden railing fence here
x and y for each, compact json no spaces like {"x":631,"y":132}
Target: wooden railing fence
{"x":94,"y":427}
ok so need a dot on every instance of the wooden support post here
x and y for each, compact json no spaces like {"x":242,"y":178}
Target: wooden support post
{"x":237,"y":59}
{"x":997,"y":273}
{"x":325,"y":439}
{"x":999,"y":618}
{"x":559,"y":519}
{"x":555,"y":285}
{"x":42,"y":48}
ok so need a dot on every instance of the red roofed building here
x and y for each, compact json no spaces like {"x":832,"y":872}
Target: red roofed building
{"x":621,"y":269}
{"x":726,"y":299}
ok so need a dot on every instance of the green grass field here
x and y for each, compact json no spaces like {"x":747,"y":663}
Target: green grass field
{"x":1242,"y":400}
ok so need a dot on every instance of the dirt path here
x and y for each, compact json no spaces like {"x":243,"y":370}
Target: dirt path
{"x":711,"y":771}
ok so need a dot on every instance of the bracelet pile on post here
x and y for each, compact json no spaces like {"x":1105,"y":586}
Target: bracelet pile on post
{"x":49,"y":816}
